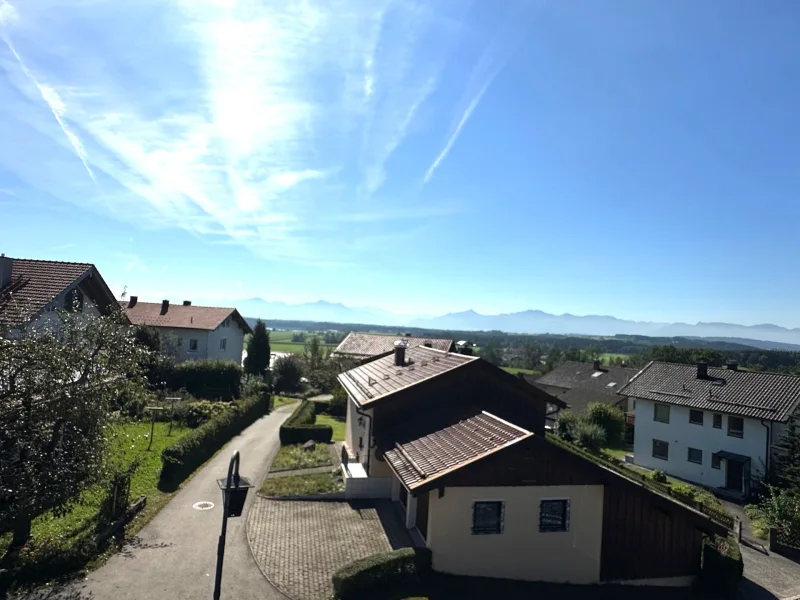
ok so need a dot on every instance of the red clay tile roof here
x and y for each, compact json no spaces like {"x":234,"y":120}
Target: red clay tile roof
{"x":35,"y":283}
{"x":363,"y":345}
{"x":758,"y":395}
{"x":381,"y":377}
{"x":421,"y":460}
{"x":182,"y":317}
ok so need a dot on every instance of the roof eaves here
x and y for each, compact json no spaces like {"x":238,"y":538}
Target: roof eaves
{"x":632,"y":379}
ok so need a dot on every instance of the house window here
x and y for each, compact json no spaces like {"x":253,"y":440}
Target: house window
{"x":192,"y":345}
{"x":735,"y":426}
{"x":487,"y":517}
{"x":223,"y":344}
{"x":73,"y":300}
{"x":715,"y":461}
{"x":554,"y":515}
{"x":717,"y":421}
{"x":695,"y":456}
{"x":696,"y":417}
{"x":661,"y":449}
{"x":661,"y":413}
{"x":226,"y":322}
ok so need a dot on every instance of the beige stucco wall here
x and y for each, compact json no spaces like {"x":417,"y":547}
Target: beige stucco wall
{"x":521,"y":551}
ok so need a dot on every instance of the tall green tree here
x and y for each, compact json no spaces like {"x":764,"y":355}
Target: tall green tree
{"x":491,"y":353}
{"x":57,"y":385}
{"x":257,"y":360}
{"x":314,"y":353}
{"x":786,"y":466}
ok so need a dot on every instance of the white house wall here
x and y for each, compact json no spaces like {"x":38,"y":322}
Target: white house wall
{"x":356,"y":434}
{"x":234,"y":344}
{"x":682,"y":435}
{"x":179,"y":338}
{"x":521,"y":551}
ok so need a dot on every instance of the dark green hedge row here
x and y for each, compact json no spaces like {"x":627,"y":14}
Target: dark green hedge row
{"x":300,"y":427}
{"x":721,"y":565}
{"x":396,"y":570}
{"x":181,"y":458}
{"x":210,"y":379}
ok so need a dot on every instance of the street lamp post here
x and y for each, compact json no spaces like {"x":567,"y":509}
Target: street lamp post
{"x":234,"y":493}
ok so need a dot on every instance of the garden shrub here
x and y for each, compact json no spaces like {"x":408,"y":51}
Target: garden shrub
{"x":200,"y":412}
{"x":610,"y":418}
{"x":210,"y":379}
{"x":338,"y":404}
{"x":184,"y":456}
{"x":721,"y":566}
{"x":300,"y":426}
{"x":658,"y":476}
{"x":566,"y":421}
{"x":369,"y":577}
{"x":589,"y":436}
{"x":684,"y":492}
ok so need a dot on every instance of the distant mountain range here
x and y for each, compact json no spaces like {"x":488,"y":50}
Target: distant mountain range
{"x":766,"y":336}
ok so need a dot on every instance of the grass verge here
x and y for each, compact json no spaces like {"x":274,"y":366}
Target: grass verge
{"x":302,"y":485}
{"x":279,"y":401}
{"x":618,"y":453}
{"x":336,"y":423}
{"x":296,"y":457}
{"x":516,"y":370}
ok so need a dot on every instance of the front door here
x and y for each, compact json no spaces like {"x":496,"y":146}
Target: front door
{"x":734,"y":475}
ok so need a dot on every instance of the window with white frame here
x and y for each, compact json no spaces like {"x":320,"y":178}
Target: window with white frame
{"x":554,"y":515}
{"x":223,"y":343}
{"x":661,"y":413}
{"x":192,"y":345}
{"x":735,"y":426}
{"x":695,"y":456}
{"x":661,"y":449}
{"x":695,"y":417}
{"x":487,"y":517}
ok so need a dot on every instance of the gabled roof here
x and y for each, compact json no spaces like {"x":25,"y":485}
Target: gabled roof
{"x":363,"y":345}
{"x":424,"y":459}
{"x":36,"y":283}
{"x":381,"y":377}
{"x":181,"y":316}
{"x":571,"y":375}
{"x":759,"y":395}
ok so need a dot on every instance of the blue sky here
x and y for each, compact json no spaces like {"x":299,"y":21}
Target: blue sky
{"x":639,"y":159}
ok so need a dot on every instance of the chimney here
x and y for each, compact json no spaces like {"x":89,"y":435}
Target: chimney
{"x":400,"y":353}
{"x":187,"y":302}
{"x":5,"y":270}
{"x":132,"y":302}
{"x":732,"y":366}
{"x":596,"y":365}
{"x":164,"y":306}
{"x":702,"y":370}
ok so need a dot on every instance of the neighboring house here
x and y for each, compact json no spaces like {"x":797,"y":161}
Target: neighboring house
{"x":32,"y":290}
{"x":460,"y":445}
{"x":195,"y":332}
{"x":579,"y":384}
{"x":715,"y":427}
{"x":361,"y":346}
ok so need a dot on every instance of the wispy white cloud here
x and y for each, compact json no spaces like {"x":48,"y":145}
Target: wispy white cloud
{"x":262,"y":123}
{"x":132,"y":263}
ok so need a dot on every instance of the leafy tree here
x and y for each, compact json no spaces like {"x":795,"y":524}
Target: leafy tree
{"x":57,"y":383}
{"x":780,"y":510}
{"x":287,"y":373}
{"x":491,"y":353}
{"x":610,"y":418}
{"x":314,"y":353}
{"x":258,"y":351}
{"x":589,"y":436}
{"x":566,"y":422}
{"x":338,"y":405}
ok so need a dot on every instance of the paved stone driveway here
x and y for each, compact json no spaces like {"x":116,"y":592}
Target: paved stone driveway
{"x":299,"y":544}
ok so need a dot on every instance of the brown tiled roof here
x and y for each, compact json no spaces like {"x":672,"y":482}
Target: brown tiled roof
{"x":36,"y":283}
{"x":421,"y":460}
{"x":181,"y":317}
{"x":363,"y":345}
{"x":381,"y":377}
{"x":758,"y":395}
{"x":575,"y":374}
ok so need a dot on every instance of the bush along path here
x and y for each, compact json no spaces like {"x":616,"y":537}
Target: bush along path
{"x":174,"y":556}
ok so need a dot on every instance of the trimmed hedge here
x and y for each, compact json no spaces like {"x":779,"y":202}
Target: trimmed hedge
{"x":721,"y":565}
{"x":210,"y":379}
{"x":398,"y":569}
{"x":300,"y":426}
{"x":181,"y":458}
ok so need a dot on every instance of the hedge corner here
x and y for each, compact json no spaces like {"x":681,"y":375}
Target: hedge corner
{"x":396,"y":570}
{"x":300,"y":427}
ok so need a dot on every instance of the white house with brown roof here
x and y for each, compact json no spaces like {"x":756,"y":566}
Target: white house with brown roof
{"x":712,"y":426}
{"x":195,"y":332}
{"x":32,"y":290}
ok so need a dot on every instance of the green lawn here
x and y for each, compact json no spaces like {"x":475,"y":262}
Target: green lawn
{"x":607,"y":356}
{"x":302,"y":485}
{"x":51,"y":535}
{"x":515,"y":370}
{"x":296,"y":457}
{"x":337,"y":423}
{"x":293,"y":348}
{"x":282,"y":401}
{"x":615,"y":452}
